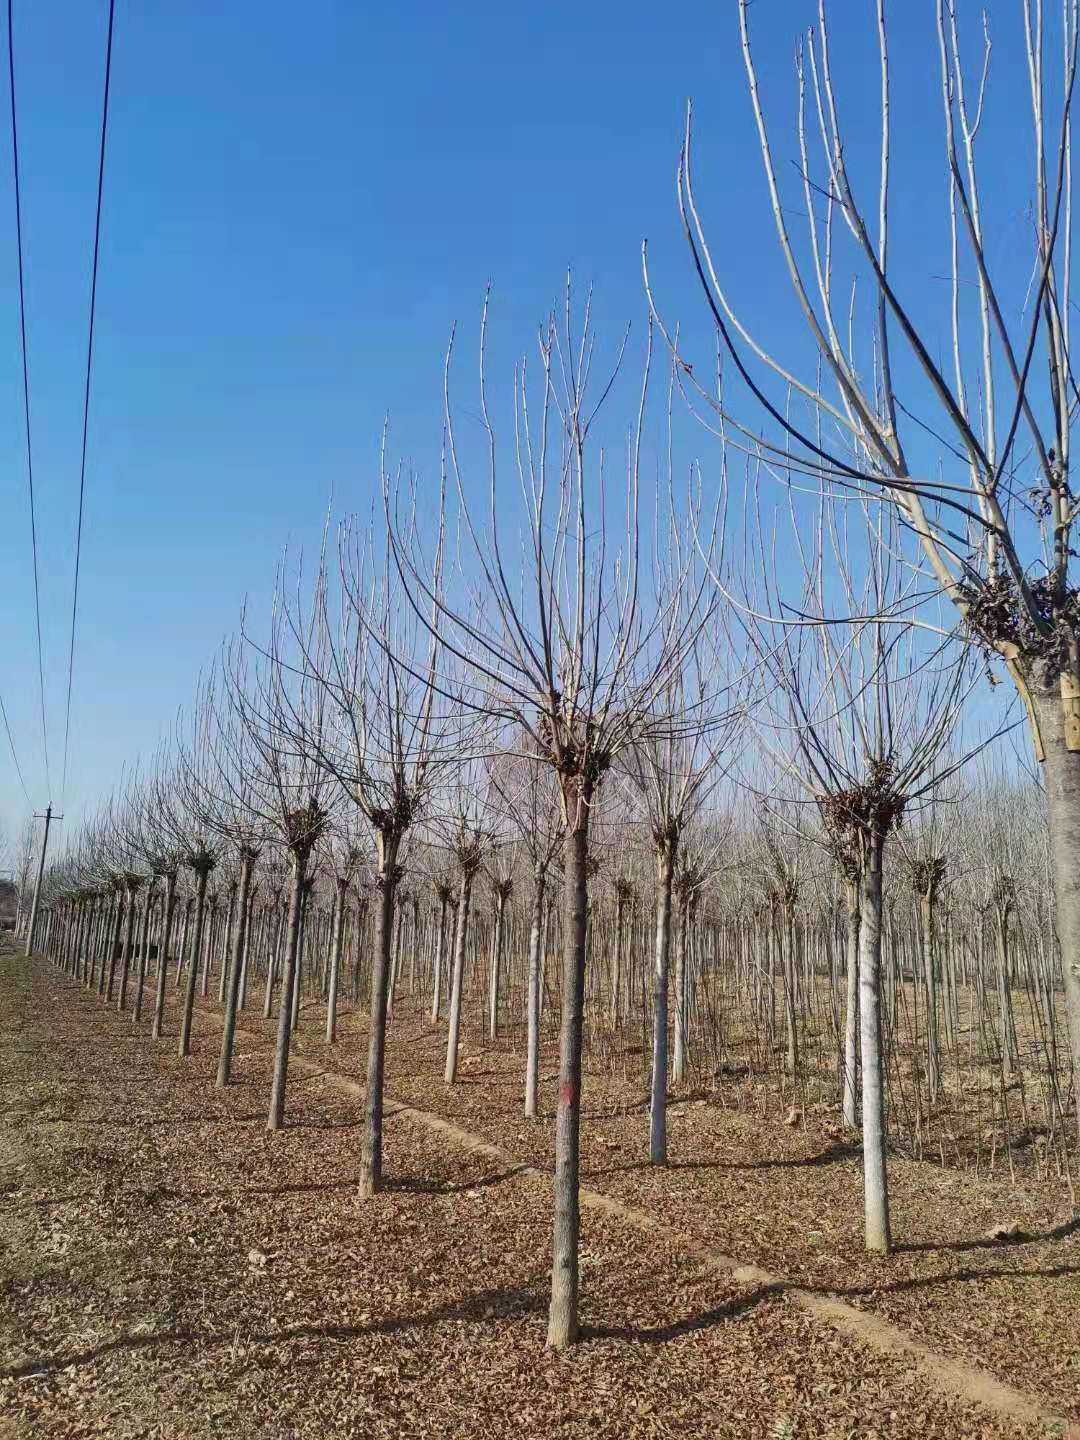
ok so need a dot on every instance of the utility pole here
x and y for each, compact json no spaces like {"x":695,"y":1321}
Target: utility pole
{"x":48,"y":817}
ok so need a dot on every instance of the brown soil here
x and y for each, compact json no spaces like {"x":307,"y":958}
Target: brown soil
{"x":169,"y":1269}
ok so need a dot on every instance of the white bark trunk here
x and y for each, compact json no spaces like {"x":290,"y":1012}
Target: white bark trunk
{"x":875,"y":1177}
{"x":851,"y":1015}
{"x":665,"y":871}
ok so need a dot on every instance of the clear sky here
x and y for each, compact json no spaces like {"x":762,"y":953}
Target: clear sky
{"x":300,"y":200}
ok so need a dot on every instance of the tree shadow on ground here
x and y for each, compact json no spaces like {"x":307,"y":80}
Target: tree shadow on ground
{"x":409,"y":1184}
{"x":926,"y":1282}
{"x":1005,"y":1242}
{"x":327,"y":1124}
{"x":836,"y":1154}
{"x":486,"y":1306}
{"x":131,"y":1121}
{"x":419,"y":1186}
{"x":241,"y":1192}
{"x":689,"y":1325}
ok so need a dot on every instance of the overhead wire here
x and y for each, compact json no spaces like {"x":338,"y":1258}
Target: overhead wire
{"x":11,"y":743}
{"x":86,"y":392}
{"x":26,"y":399}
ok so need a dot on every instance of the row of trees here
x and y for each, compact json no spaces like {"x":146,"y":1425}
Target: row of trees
{"x":536,"y":652}
{"x":759,"y":950}
{"x":17,"y":856}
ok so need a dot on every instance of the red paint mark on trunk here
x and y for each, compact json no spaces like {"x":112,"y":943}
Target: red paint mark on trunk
{"x":568,"y":1093}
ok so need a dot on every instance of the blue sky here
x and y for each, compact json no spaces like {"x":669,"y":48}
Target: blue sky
{"x":300,"y":201}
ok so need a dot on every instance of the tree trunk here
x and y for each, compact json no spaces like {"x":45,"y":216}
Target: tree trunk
{"x":617,"y":964}
{"x":678,"y":1063}
{"x":562,"y":1319}
{"x":82,"y":915}
{"x":875,"y":1179}
{"x":276,"y":930}
{"x":532,"y":1016}
{"x":226,"y":947}
{"x":371,"y":1151}
{"x":496,"y":967}
{"x":436,"y":989}
{"x":144,"y":954}
{"x":67,"y":936}
{"x":301,"y":957}
{"x":276,"y":1116}
{"x":105,"y":925}
{"x":185,"y":936}
{"x":1009,"y":1047}
{"x":851,"y":1014}
{"x":163,"y":955}
{"x":129,"y":946}
{"x":359,"y":928}
{"x":193,"y":965}
{"x":933,"y":1048}
{"x":239,"y":915}
{"x":788,"y":964}
{"x":114,"y":941}
{"x":563,"y":1313}
{"x":101,"y":931}
{"x":335,"y":963}
{"x":665,"y":874}
{"x":79,"y":921}
{"x":1061,"y":775}
{"x":249,"y":925}
{"x":460,"y":935}
{"x":207,"y":951}
{"x":90,"y":941}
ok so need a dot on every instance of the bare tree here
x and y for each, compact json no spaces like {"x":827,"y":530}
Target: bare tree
{"x":164,"y":858}
{"x":120,"y":838}
{"x":344,"y":856}
{"x":386,"y":734}
{"x":151,"y":842}
{"x":704,"y":855}
{"x":444,"y":891}
{"x":466,"y":832}
{"x":23,"y":871}
{"x":501,"y":868}
{"x":926,"y":846}
{"x":989,"y":501}
{"x":225,"y":789}
{"x":859,"y":717}
{"x":569,"y":655}
{"x":524,"y":790}
{"x":671,"y":770}
{"x":281,"y":702}
{"x":179,"y":811}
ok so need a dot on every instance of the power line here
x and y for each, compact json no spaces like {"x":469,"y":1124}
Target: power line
{"x":86,"y":393}
{"x":26,"y":391}
{"x":11,"y":742}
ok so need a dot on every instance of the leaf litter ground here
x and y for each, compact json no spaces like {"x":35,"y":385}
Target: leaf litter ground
{"x":169,"y":1269}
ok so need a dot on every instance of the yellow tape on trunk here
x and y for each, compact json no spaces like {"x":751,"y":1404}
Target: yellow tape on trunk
{"x":1070,"y":706}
